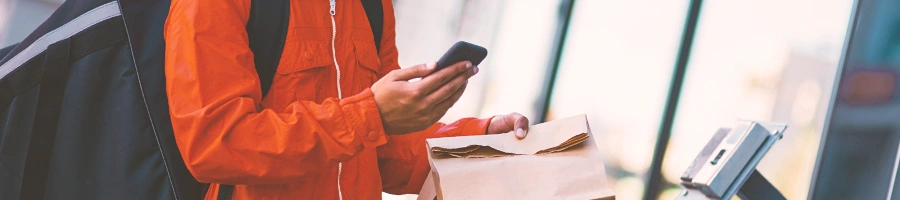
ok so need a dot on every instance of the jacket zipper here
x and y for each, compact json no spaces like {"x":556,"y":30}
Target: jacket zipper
{"x":333,"y":52}
{"x":337,"y":68}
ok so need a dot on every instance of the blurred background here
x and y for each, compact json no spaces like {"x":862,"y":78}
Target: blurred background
{"x":771,"y":60}
{"x":616,"y":61}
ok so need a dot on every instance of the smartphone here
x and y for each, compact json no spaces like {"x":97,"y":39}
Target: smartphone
{"x":461,"y":51}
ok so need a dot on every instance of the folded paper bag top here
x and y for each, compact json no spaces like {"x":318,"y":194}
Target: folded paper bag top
{"x":557,"y":160}
{"x":542,"y":138}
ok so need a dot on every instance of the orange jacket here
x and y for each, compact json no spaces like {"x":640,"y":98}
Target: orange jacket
{"x":288,"y":144}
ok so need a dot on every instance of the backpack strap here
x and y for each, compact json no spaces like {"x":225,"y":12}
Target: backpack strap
{"x":43,"y":132}
{"x":267,"y":30}
{"x":375,"y":13}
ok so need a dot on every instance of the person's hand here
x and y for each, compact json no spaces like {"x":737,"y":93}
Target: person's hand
{"x":506,"y":123}
{"x":407,"y":107}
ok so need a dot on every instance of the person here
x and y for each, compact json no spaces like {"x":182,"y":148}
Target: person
{"x":342,"y":120}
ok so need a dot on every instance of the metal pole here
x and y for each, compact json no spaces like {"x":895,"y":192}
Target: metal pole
{"x":655,"y":183}
{"x":562,"y":28}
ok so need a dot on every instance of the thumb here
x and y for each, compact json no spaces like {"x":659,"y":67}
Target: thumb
{"x":415,"y":71}
{"x":521,"y":125}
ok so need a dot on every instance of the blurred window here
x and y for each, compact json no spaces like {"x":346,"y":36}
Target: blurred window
{"x":19,"y":17}
{"x":616,"y":67}
{"x":518,"y":35}
{"x":772,"y":60}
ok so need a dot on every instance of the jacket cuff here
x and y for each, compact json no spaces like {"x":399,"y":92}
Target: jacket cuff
{"x":476,"y":127}
{"x":364,"y":119}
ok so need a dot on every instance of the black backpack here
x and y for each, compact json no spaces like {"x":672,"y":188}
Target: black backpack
{"x":83,"y":107}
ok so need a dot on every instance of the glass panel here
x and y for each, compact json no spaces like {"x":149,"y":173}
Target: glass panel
{"x":771,"y":60}
{"x":518,"y":35}
{"x":861,"y":144}
{"x":616,"y":68}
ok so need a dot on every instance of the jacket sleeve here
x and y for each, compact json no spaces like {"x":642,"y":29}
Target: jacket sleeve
{"x":214,"y":96}
{"x":403,"y":162}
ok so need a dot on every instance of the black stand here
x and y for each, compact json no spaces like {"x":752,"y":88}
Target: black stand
{"x":757,"y":187}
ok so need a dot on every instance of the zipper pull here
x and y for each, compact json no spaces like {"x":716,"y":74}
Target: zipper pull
{"x":332,"y":7}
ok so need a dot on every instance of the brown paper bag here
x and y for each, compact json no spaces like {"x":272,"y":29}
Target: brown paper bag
{"x":558,"y":160}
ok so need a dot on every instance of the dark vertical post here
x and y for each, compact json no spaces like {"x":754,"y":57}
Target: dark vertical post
{"x":562,"y":28}
{"x":655,"y":183}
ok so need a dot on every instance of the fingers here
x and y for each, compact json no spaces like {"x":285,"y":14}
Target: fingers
{"x":445,"y":105}
{"x":439,"y":78}
{"x":447,"y":90}
{"x":416,"y":71}
{"x":520,"y":124}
